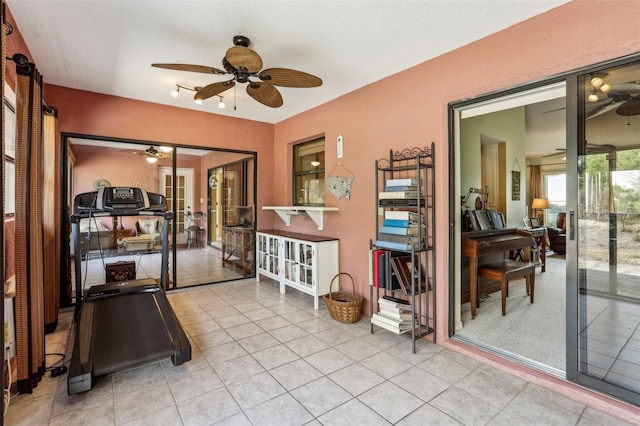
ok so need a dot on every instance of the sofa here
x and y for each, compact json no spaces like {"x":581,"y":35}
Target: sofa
{"x":558,"y":234}
{"x":150,"y":227}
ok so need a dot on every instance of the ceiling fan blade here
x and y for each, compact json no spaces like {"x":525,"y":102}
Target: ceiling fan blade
{"x":213,"y":89}
{"x":240,"y":56}
{"x":601,"y":109}
{"x":266,"y":94}
{"x":289,"y":78}
{"x":191,"y":68}
{"x":631,"y":107}
{"x":593,"y":148}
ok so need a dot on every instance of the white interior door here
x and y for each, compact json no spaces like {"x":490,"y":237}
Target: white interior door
{"x":183,"y":195}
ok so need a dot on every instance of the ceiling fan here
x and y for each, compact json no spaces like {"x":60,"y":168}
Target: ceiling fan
{"x":624,"y":98}
{"x":245,"y":66}
{"x":152,"y":154}
{"x":592,"y":148}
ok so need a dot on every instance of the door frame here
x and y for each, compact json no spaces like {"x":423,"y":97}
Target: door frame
{"x":573,"y":133}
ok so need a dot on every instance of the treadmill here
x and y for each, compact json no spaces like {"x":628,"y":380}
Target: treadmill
{"x":122,"y":324}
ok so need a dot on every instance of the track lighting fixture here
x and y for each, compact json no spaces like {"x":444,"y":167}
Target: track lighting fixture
{"x":176,"y":92}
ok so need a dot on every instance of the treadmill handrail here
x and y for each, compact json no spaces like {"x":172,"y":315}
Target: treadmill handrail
{"x":75,"y":218}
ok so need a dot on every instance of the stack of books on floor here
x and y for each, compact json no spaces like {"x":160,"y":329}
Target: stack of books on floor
{"x":393,"y":315}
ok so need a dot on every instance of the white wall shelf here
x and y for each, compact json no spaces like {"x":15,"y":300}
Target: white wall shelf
{"x":315,"y":213}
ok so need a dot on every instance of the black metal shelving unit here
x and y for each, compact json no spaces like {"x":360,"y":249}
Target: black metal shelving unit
{"x":418,"y":164}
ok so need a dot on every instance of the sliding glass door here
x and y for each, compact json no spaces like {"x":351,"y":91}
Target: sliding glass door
{"x":604,"y":233}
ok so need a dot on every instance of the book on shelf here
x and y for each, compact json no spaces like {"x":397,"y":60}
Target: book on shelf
{"x":397,"y":246}
{"x":401,"y":215}
{"x":402,"y":239}
{"x":394,"y":314}
{"x":400,"y":223}
{"x":394,"y":195}
{"x":394,"y":302}
{"x":401,"y":182}
{"x":398,"y":324}
{"x":379,"y":268}
{"x":402,"y":230}
{"x":394,"y":322}
{"x":400,"y":188}
{"x":391,"y":328}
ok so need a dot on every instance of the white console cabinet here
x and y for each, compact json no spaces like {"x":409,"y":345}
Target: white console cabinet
{"x":305,"y":262}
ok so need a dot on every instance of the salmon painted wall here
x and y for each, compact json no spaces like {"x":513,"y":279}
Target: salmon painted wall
{"x":405,"y":110}
{"x":409,"y":109}
{"x":102,"y":115}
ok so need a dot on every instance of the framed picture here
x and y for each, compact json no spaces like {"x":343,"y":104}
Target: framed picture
{"x":535,"y":222}
{"x":515,"y":185}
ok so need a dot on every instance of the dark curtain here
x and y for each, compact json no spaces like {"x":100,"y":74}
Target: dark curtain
{"x":29,"y":299}
{"x":536,"y":186}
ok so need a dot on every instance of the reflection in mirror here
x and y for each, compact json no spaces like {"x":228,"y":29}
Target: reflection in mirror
{"x":202,"y":212}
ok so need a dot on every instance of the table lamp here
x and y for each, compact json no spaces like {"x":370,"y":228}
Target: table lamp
{"x":540,"y":204}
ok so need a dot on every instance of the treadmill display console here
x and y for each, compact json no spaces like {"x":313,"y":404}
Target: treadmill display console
{"x":122,"y":198}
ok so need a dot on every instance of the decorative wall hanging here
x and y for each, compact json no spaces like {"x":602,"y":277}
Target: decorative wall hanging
{"x":515,"y":181}
{"x":340,"y":186}
{"x":101,"y":183}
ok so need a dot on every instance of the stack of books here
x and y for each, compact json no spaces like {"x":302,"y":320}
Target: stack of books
{"x":393,"y":315}
{"x":399,"y":189}
{"x":401,"y":230}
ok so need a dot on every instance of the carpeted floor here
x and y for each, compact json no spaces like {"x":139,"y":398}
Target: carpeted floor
{"x":533,"y":331}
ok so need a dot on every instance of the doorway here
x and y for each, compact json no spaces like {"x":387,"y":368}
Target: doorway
{"x":123,"y":162}
{"x":214,"y":235}
{"x":591,"y":323}
{"x":499,"y":141}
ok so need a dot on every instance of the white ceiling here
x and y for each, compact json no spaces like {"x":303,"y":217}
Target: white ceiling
{"x":108,"y":46}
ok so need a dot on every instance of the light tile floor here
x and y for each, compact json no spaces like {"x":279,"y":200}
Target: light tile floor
{"x":261,"y":358}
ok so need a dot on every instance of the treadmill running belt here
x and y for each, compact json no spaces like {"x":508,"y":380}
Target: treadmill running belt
{"x":130,"y":330}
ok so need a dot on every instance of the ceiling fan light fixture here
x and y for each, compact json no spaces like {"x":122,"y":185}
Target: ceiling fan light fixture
{"x":198,"y":101}
{"x":151,"y":160}
{"x":221,"y":104}
{"x":593,"y":97}
{"x":605,"y":88}
{"x":175,"y":92}
{"x":597,"y":81}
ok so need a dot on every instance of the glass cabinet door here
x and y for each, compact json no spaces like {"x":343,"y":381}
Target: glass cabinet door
{"x":306,"y":264}
{"x":290,"y":270}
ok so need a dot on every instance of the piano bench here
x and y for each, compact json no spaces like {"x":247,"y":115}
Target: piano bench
{"x":508,"y":270}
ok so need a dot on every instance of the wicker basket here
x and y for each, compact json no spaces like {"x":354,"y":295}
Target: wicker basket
{"x":343,"y":307}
